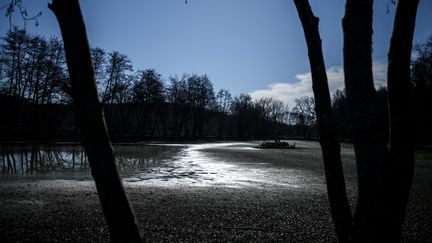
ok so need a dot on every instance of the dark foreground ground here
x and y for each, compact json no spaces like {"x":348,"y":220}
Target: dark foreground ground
{"x":214,"y":192}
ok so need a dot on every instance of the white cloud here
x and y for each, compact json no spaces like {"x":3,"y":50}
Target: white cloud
{"x":288,"y":92}
{"x":380,"y":74}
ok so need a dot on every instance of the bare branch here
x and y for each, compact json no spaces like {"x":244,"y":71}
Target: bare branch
{"x":14,"y":5}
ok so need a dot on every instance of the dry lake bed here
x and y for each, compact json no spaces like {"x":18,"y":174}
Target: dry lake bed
{"x":226,"y":191}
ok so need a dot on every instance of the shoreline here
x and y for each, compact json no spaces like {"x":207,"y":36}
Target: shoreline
{"x":280,"y":197}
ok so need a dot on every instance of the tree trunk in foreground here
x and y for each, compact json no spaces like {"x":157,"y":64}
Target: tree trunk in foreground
{"x":339,"y":206}
{"x":384,"y":176}
{"x":368,"y":127}
{"x":94,"y":136}
{"x":400,"y":102}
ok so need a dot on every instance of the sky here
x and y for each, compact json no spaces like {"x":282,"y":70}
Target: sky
{"x":245,"y":46}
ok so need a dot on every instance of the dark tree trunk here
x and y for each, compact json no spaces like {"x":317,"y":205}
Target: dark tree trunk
{"x":384,"y":178}
{"x":371,"y":219}
{"x":339,"y":206}
{"x":94,"y":136}
{"x":400,"y":104}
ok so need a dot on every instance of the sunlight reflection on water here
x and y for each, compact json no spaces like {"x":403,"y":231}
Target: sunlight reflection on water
{"x":194,"y":166}
{"x":223,"y":164}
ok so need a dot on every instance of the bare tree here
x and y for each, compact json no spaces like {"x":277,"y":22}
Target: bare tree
{"x":242,"y":109}
{"x":339,"y":206}
{"x":383,"y":178}
{"x":200,"y":97}
{"x":304,"y":113}
{"x":94,"y":136}
{"x":340,"y":111}
{"x":421,"y":77}
{"x":223,"y":104}
{"x":400,"y":107}
{"x":177,"y":97}
{"x":149,"y":93}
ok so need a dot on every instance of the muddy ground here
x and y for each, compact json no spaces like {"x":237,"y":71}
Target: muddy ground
{"x":226,"y":192}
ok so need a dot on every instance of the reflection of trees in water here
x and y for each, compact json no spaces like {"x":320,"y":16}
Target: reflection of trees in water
{"x":37,"y":159}
{"x":139,"y":157}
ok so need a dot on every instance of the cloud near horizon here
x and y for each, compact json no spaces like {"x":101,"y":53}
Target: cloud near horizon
{"x":288,"y":92}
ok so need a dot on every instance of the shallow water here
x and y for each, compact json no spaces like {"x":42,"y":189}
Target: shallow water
{"x":194,"y":165}
{"x":226,"y":164}
{"x":67,"y":159}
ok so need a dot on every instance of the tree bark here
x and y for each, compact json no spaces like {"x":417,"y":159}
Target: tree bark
{"x":400,"y":104}
{"x":339,"y":206}
{"x":94,"y":136}
{"x":368,"y":126}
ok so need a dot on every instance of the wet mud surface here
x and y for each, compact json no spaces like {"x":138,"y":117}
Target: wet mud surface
{"x":206,"y":192}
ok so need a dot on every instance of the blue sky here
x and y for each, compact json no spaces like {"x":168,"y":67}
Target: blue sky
{"x":246,"y":46}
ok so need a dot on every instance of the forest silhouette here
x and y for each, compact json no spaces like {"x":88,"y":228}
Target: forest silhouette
{"x":143,"y":105}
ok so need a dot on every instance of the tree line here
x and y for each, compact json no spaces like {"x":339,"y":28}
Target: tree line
{"x":36,"y":102}
{"x":139,"y":104}
{"x":420,"y":90}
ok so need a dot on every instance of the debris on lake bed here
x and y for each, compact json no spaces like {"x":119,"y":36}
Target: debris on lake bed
{"x":277,"y":144}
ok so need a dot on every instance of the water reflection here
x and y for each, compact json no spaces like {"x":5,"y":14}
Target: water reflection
{"x":41,"y":159}
{"x":235,"y":165}
{"x":195,"y":166}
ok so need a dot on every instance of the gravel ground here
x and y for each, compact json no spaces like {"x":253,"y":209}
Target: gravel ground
{"x":222,"y":192}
